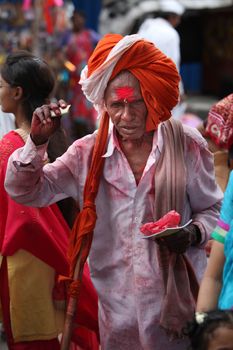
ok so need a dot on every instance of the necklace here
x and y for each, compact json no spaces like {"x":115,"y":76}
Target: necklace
{"x":23,"y":133}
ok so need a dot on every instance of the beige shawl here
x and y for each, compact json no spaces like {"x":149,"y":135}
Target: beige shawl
{"x":180,"y":283}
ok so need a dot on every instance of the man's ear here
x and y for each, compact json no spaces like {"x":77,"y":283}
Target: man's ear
{"x":17,"y":92}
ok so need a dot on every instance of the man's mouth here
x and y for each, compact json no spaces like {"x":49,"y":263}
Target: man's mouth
{"x":125,"y":127}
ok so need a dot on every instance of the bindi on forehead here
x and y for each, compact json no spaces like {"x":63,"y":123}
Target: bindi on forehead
{"x":125,"y":93}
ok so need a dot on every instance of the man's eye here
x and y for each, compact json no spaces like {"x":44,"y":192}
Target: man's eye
{"x":138,"y":103}
{"x":116,"y":105}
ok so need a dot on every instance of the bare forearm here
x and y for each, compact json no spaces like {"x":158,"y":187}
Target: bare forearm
{"x":208,"y":294}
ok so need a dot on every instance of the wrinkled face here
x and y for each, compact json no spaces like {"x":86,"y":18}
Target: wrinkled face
{"x":222,"y":339}
{"x":126,"y":107}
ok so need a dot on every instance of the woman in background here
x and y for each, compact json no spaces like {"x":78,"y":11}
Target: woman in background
{"x":34,"y":241}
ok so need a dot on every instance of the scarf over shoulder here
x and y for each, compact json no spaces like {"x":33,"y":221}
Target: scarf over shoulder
{"x":180,"y":282}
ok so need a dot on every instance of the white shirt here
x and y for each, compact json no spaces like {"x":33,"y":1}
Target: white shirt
{"x":162,"y":34}
{"x":124,"y":266}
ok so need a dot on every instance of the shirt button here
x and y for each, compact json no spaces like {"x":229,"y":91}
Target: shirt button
{"x":136,"y":219}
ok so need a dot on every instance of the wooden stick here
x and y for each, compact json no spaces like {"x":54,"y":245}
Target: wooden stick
{"x":73,"y":301}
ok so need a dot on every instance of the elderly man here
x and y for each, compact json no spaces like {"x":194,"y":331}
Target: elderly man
{"x":146,"y":290}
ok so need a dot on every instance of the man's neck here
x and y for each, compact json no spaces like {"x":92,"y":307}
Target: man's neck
{"x":137,"y":153}
{"x":137,"y":144}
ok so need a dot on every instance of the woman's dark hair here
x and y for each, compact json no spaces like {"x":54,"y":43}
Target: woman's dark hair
{"x":201,"y":332}
{"x":33,"y":75}
{"x":37,"y":81}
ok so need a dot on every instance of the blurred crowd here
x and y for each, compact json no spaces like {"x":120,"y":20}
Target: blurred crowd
{"x":65,"y":43}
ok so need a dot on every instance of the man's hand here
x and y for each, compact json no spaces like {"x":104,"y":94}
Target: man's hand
{"x":43,"y":124}
{"x":180,"y":241}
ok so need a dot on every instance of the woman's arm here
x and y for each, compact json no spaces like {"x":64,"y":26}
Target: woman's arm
{"x":211,"y":283}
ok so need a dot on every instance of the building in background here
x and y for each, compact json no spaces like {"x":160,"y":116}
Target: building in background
{"x":207,"y":51}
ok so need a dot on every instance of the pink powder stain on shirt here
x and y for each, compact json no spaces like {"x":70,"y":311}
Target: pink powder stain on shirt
{"x":125,"y":93}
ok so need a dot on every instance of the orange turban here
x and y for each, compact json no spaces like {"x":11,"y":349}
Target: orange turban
{"x":157,"y":74}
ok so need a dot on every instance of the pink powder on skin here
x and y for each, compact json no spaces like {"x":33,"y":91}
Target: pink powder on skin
{"x":125,"y":93}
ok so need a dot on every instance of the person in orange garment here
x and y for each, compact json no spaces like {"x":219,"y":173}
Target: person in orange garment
{"x":34,"y":242}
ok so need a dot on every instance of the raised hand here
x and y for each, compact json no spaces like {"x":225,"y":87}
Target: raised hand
{"x":45,"y":121}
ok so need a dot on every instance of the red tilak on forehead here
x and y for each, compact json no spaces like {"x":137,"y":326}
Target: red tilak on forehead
{"x":125,"y":92}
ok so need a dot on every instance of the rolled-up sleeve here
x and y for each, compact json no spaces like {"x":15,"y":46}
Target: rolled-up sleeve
{"x":30,"y":181}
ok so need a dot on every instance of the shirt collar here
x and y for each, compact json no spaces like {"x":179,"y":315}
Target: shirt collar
{"x":114,"y":143}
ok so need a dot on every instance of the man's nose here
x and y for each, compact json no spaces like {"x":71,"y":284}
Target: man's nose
{"x":127,"y":112}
